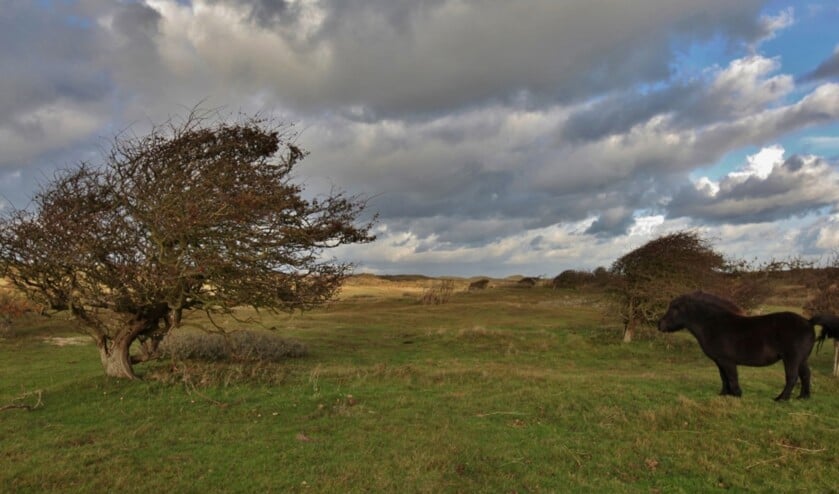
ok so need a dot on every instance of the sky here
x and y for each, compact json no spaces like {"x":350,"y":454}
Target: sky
{"x":491,"y":137}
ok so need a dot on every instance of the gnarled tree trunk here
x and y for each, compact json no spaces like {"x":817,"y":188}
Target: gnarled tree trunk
{"x":115,"y":356}
{"x":115,"y":352}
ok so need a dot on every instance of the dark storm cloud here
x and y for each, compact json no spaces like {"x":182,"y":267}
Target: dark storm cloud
{"x":611,"y":222}
{"x":46,"y":55}
{"x":266,"y":12}
{"x":408,"y":56}
{"x":741,"y":89}
{"x":137,"y":22}
{"x":828,"y":69}
{"x":617,"y":113}
{"x":799,"y":186}
{"x":479,"y":129}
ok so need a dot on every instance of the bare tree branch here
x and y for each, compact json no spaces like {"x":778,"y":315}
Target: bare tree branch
{"x":197,"y":215}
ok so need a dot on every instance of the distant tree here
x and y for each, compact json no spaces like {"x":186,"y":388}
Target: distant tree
{"x":197,"y":215}
{"x":572,"y":278}
{"x":527,"y":282}
{"x":481,"y":284}
{"x":647,"y":278}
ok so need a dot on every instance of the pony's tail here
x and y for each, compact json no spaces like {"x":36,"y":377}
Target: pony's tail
{"x":830,"y":327}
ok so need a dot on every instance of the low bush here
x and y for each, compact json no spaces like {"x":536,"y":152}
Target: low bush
{"x":238,"y":346}
{"x":13,"y":306}
{"x":438,"y":294}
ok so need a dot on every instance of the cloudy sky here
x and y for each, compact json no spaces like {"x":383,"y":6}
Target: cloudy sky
{"x":493,"y":137}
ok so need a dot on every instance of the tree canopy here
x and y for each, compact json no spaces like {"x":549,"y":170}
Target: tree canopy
{"x":201,"y":214}
{"x":651,"y":275}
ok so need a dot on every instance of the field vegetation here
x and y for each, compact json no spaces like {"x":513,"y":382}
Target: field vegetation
{"x":504,"y":389}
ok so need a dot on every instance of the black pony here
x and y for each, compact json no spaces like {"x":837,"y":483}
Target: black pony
{"x":731,"y":338}
{"x":829,"y":324}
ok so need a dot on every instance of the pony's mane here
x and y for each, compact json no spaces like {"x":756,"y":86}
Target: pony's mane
{"x":718,"y":302}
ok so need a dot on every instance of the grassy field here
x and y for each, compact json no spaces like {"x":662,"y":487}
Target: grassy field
{"x":503,"y":390}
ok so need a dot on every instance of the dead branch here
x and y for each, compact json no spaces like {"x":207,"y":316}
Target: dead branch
{"x":798,"y":448}
{"x":762,"y":462}
{"x":38,"y":403}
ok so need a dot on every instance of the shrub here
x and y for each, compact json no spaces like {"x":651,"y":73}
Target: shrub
{"x":438,"y":294}
{"x":571,"y":278}
{"x":647,"y":278}
{"x":239,"y":346}
{"x":527,"y":282}
{"x":13,"y":307}
{"x":481,"y":284}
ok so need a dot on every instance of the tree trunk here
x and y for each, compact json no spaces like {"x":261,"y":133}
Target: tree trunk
{"x":628,"y":331}
{"x":115,"y":357}
{"x":114,"y":352}
{"x":629,"y":323}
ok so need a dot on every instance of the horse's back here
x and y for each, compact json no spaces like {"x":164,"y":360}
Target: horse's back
{"x":784,"y":327}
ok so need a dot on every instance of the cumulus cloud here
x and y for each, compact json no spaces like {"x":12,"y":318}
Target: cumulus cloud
{"x":415,"y":56}
{"x":768,"y":188}
{"x":746,"y":86}
{"x":485,"y":132}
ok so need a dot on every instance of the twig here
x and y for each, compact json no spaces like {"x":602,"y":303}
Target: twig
{"x":217,"y":403}
{"x":761,"y":462}
{"x":499,"y":413}
{"x":794,"y":448}
{"x":798,"y":448}
{"x":38,"y":404}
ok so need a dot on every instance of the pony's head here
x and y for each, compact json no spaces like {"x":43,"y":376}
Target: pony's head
{"x":685,"y":308}
{"x":674,"y":318}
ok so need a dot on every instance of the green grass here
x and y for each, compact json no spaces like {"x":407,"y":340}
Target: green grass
{"x":507,"y":390}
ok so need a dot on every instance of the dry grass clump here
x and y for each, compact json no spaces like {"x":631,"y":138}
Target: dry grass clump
{"x":239,"y":346}
{"x":200,"y":374}
{"x":438,"y":294}
{"x":475,"y":332}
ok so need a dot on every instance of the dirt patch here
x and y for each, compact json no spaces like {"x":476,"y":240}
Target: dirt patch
{"x":67,"y":341}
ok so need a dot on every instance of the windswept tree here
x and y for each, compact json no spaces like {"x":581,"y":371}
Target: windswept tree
{"x":650,"y":276}
{"x":201,"y":214}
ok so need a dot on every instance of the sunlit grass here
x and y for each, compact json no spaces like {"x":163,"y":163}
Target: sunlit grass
{"x":504,"y":390}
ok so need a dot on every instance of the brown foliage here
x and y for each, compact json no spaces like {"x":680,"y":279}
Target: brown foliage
{"x":13,"y":306}
{"x":647,"y":278}
{"x":825,"y":283}
{"x":238,"y":346}
{"x":195,"y":215}
{"x":572,"y":278}
{"x":481,"y":284}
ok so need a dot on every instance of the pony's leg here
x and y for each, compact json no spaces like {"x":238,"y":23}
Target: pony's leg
{"x":730,"y":383}
{"x":726,"y":388}
{"x":791,"y":369}
{"x":804,"y":374}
